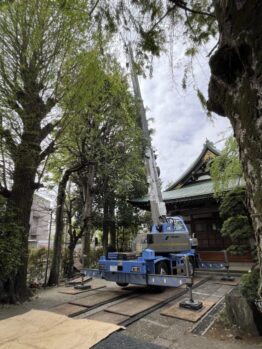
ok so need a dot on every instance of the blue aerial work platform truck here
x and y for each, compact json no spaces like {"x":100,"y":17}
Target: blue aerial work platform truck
{"x":164,"y":256}
{"x":156,"y":256}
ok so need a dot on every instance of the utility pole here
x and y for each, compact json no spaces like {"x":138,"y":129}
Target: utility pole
{"x":48,"y":247}
{"x":157,"y":205}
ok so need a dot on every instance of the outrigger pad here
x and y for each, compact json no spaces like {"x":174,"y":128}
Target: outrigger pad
{"x":176,"y":311}
{"x":82,"y":287}
{"x":228,"y":278}
{"x":192,"y":305}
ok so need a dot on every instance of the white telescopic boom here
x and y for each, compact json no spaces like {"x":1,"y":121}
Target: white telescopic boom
{"x":157,"y":205}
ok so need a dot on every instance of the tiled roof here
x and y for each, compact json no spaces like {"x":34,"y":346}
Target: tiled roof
{"x":190,"y":192}
{"x":207,"y":146}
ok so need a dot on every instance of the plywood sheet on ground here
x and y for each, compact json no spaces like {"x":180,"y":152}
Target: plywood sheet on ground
{"x":100,"y":297}
{"x":68,"y":309}
{"x":108,"y":317}
{"x":187,"y":314}
{"x":72,"y":291}
{"x":133,"y":306}
{"x":45,"y":330}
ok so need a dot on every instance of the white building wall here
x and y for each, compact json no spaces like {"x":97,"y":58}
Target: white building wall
{"x":39,"y":221}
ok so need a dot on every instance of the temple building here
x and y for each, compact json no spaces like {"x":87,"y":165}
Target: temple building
{"x":192,"y":197}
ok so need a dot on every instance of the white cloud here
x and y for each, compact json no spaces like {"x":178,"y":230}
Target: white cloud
{"x":181,"y":126}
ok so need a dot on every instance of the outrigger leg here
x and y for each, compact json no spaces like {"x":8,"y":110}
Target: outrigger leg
{"x":227,"y":277}
{"x":190,"y":303}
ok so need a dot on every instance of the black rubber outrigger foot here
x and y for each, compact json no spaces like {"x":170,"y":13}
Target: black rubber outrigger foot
{"x":227,"y":278}
{"x":82,"y":287}
{"x":192,"y":305}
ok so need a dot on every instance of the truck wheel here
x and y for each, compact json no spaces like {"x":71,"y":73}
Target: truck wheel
{"x":124,"y":284}
{"x":161,"y":269}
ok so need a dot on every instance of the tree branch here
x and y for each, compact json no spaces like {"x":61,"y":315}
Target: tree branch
{"x":161,"y":19}
{"x":12,"y":147}
{"x":4,"y":191}
{"x":182,"y":4}
{"x":93,"y":8}
{"x":38,"y":185}
{"x":47,"y":129}
{"x":48,"y":150}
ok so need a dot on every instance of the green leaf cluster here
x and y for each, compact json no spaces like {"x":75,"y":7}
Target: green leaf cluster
{"x":226,"y":170}
{"x":226,"y":173}
{"x":237,"y":224}
{"x":10,"y":242}
{"x":249,"y":285}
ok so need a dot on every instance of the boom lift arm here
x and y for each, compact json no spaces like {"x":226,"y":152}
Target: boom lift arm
{"x":157,"y":205}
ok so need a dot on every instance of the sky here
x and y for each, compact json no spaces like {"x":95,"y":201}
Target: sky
{"x":180,"y":123}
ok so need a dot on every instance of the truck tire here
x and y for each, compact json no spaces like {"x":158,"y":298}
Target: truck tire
{"x":161,"y":268}
{"x":124,"y":284}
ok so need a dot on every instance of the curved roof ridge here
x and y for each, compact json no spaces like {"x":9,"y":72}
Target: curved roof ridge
{"x":207,"y":146}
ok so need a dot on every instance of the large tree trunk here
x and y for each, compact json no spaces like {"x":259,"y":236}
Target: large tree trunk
{"x":60,"y":201}
{"x":106,"y":225}
{"x":59,"y":226}
{"x":112,"y":229}
{"x":19,"y":205}
{"x":87,"y":183}
{"x":235,"y":91}
{"x":18,"y":211}
{"x":71,"y":248}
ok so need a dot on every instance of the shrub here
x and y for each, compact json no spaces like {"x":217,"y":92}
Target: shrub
{"x":37,"y":266}
{"x":249,"y":285}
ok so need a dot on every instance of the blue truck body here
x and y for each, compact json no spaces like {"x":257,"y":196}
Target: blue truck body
{"x":145,"y":269}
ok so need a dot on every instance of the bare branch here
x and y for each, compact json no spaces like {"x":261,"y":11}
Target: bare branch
{"x":4,"y":191}
{"x":48,"y":150}
{"x":93,"y":8}
{"x":182,"y":4}
{"x":47,"y":129}
{"x":170,"y":9}
{"x":10,"y":144}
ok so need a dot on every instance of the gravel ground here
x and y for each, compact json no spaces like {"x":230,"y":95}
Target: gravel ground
{"x":120,"y":341}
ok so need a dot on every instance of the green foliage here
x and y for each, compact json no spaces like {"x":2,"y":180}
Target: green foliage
{"x":249,"y":285}
{"x":236,"y":225}
{"x":237,"y":228}
{"x":226,"y":173}
{"x":152,"y":41}
{"x":233,"y":203}
{"x":94,"y":257}
{"x":103,"y":131}
{"x":226,"y":170}
{"x":10,"y":244}
{"x":66,"y":263}
{"x":37,"y":266}
{"x":203,"y":101}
